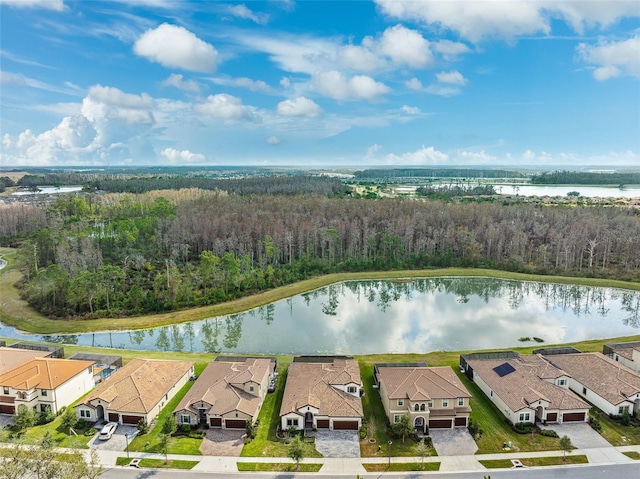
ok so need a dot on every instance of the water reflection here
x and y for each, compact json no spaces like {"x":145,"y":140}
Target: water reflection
{"x":422,"y":315}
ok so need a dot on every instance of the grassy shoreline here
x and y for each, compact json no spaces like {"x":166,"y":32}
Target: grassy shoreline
{"x":17,"y":313}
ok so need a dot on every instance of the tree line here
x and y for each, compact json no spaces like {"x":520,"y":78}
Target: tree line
{"x":585,"y":178}
{"x":379,"y":173}
{"x":124,"y":254}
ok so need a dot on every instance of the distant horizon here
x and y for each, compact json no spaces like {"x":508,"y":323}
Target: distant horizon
{"x":352,"y":84}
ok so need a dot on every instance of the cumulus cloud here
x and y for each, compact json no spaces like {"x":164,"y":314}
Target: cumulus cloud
{"x":178,"y":81}
{"x":109,"y":103}
{"x":285,"y":82}
{"x":57,"y":5}
{"x":476,"y":21}
{"x":335,"y":85}
{"x":423,"y":156}
{"x":181,"y":157}
{"x":612,"y":59}
{"x":450,"y":50}
{"x":242,"y":11}
{"x":273,"y":140}
{"x":300,"y":106}
{"x":413,"y":84}
{"x":226,"y":107}
{"x":243,"y":82}
{"x":176,"y":47}
{"x":453,"y":78}
{"x":405,"y":46}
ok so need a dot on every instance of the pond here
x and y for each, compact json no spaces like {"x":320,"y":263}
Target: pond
{"x":562,"y":190}
{"x":408,"y":316}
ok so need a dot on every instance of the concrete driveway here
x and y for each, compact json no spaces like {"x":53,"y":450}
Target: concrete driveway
{"x":582,"y":435}
{"x":5,"y":420}
{"x":453,"y":442}
{"x":118,"y":441}
{"x":338,"y":443}
{"x":223,"y":442}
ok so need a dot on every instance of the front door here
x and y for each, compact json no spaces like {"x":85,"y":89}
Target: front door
{"x":419,"y":424}
{"x":203,"y":417}
{"x":308,"y":420}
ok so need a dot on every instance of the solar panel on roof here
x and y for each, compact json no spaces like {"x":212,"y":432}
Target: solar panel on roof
{"x":504,"y":369}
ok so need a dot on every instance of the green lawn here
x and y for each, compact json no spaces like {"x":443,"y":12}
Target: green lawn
{"x":617,"y":434}
{"x":158,"y":463}
{"x":267,"y":443}
{"x":633,"y":455}
{"x":277,"y":467}
{"x":400,"y":467}
{"x":177,"y":445}
{"x":34,"y":435}
{"x":536,"y":461}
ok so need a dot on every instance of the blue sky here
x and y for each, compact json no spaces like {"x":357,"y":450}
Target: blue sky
{"x":320,"y":83}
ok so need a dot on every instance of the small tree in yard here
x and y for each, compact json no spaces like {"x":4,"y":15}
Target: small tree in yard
{"x":169,"y":426}
{"x":142,"y":427}
{"x":296,"y":450}
{"x":422,"y":449}
{"x":26,"y":417}
{"x":373,"y":427}
{"x":69,"y":419}
{"x":163,"y":445}
{"x":566,"y":446}
{"x":403,"y":427}
{"x":47,"y":441}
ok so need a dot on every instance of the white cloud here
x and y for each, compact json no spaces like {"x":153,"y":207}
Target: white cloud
{"x":528,"y":155}
{"x":476,"y":20}
{"x":273,"y":140}
{"x":372,"y":151}
{"x":226,"y":107}
{"x":242,"y":11}
{"x":442,"y":90}
{"x":300,"y":106}
{"x":423,"y":156}
{"x":335,"y":85}
{"x":57,"y":5}
{"x":405,"y":46}
{"x":243,"y":82}
{"x":176,"y":47}
{"x":449,"y":50}
{"x":413,"y":84}
{"x":182,"y":157}
{"x":176,"y":80}
{"x":410,"y":110}
{"x":475,"y":157}
{"x":453,"y":78}
{"x":285,"y":82}
{"x":105,"y":103}
{"x":18,"y":79}
{"x":612,"y":59}
{"x":360,"y":58}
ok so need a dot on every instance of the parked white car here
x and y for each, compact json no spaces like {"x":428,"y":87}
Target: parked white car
{"x":107,"y":430}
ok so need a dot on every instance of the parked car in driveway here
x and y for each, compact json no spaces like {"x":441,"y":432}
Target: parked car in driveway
{"x":107,"y":430}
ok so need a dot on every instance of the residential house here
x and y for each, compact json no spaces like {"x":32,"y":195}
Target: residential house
{"x":432,"y":397}
{"x":44,"y":384}
{"x":526,"y":388}
{"x":227,"y":394}
{"x":322,"y":392}
{"x":627,"y":354}
{"x":11,"y":358}
{"x":138,"y":390}
{"x":605,"y":383}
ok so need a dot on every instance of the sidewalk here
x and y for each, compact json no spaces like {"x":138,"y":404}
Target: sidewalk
{"x":348,"y":466}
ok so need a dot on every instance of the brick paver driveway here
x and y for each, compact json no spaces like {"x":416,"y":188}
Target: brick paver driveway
{"x":223,"y":442}
{"x":582,"y":435}
{"x":338,"y":443}
{"x":453,"y":442}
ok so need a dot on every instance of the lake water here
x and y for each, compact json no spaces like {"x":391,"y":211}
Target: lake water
{"x":49,"y":190}
{"x":586,"y":191}
{"x":412,"y":316}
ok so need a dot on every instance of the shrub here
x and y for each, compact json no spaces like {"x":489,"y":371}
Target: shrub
{"x":142,"y":427}
{"x":364,"y":430}
{"x":548,"y":433}
{"x":90,"y":432}
{"x":594,"y":422}
{"x":196,"y":434}
{"x":45,"y":418}
{"x":185,"y":428}
{"x":523,"y":427}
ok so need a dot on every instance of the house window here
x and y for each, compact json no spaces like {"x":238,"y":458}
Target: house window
{"x":460,"y":401}
{"x":396,"y":418}
{"x":292,"y":422}
{"x":45,"y":407}
{"x":617,"y":358}
{"x":429,"y":404}
{"x":351,"y":389}
{"x":562,"y":382}
{"x":250,"y":389}
{"x":400,"y":402}
{"x":43,"y":392}
{"x":423,"y":407}
{"x":445,"y":403}
{"x":623,"y":410}
{"x":491,"y":393}
{"x":6,"y":390}
{"x":417,"y":408}
{"x":584,"y":391}
{"x":186,"y":419}
{"x":84,"y":413}
{"x":525,"y":417}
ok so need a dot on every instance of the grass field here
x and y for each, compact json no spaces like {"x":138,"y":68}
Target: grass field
{"x":536,"y":461}
{"x":158,"y":463}
{"x":16,"y":312}
{"x":277,"y":467}
{"x":401,"y":467}
{"x":633,"y":455}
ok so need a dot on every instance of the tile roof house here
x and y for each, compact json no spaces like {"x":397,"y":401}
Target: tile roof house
{"x":322,"y":393}
{"x":527,"y":388}
{"x":227,"y":394}
{"x":433,"y":397}
{"x":12,"y":357}
{"x":138,"y":390}
{"x":44,"y":384}
{"x":627,"y":354}
{"x":602,"y":381}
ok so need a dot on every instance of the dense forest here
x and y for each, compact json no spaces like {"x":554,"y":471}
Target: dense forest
{"x":450,"y":191}
{"x":585,"y":178}
{"x":90,"y":255}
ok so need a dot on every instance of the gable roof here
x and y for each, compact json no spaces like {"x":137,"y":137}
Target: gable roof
{"x":43,"y":373}
{"x":219,"y":385}
{"x":311,"y":384}
{"x":422,"y":383}
{"x":527,"y":385}
{"x":604,"y":376}
{"x":12,"y":357}
{"x":139,"y":385}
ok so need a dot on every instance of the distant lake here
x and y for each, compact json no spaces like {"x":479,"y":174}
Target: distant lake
{"x":49,"y":190}
{"x":411,"y":316}
{"x":587,"y":191}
